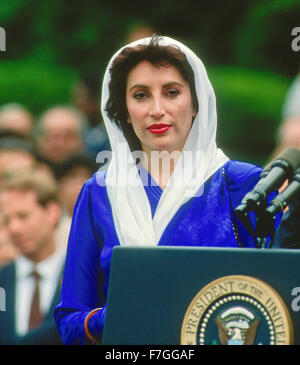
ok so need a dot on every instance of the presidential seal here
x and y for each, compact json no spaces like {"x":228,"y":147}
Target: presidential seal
{"x":237,"y":310}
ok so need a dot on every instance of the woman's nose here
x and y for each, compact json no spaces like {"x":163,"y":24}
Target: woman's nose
{"x":157,"y":108}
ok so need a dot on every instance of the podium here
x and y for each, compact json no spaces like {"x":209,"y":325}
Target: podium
{"x":203,"y":296}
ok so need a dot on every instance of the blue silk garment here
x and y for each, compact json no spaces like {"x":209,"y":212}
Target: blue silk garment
{"x":206,"y":220}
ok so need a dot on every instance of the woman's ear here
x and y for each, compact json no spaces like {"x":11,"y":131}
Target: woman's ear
{"x":128,"y":119}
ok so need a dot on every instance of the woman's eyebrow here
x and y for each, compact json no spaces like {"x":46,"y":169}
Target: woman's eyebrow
{"x":164,"y":85}
{"x":173,"y":83}
{"x":139,"y":85}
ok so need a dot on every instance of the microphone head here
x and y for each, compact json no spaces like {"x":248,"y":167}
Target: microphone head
{"x":290,"y":155}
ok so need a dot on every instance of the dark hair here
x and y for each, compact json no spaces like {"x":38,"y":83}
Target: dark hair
{"x":77,"y":160}
{"x":129,"y":57}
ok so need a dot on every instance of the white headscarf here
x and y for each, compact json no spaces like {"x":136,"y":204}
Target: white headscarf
{"x":130,"y":206}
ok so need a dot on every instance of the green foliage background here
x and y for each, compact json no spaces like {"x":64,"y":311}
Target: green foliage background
{"x":245,"y":45}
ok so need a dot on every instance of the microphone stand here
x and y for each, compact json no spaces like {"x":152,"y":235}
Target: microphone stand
{"x":265,"y":225}
{"x":271,"y":178}
{"x":264,"y":222}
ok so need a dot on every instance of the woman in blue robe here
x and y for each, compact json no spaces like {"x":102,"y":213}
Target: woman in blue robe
{"x":156,"y":97}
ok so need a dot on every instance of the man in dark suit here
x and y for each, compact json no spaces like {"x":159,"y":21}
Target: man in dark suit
{"x":287,"y":234}
{"x":32,"y":283}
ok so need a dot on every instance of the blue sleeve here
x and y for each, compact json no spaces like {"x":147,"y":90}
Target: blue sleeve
{"x":81,"y":288}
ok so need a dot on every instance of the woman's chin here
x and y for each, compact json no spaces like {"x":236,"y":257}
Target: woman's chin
{"x":163,"y":145}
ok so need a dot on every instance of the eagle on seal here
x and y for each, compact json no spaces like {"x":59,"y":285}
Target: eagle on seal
{"x":235,"y":334}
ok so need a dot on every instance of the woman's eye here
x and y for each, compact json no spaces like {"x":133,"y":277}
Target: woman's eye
{"x":140,"y":95}
{"x":173,"y":92}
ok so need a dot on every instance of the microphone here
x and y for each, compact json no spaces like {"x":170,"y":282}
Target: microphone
{"x":280,"y":202}
{"x":271,"y":178}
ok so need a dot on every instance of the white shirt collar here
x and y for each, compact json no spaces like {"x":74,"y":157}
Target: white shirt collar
{"x":46,"y":268}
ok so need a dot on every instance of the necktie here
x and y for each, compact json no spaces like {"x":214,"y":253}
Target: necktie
{"x":35,"y":317}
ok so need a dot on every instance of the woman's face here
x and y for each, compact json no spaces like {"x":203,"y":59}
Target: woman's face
{"x":160,"y":106}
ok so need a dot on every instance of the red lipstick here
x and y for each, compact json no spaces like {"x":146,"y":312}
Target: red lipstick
{"x":158,"y":128}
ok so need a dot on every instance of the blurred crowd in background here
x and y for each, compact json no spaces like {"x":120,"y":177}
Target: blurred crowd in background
{"x":63,"y":143}
{"x":60,"y":143}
